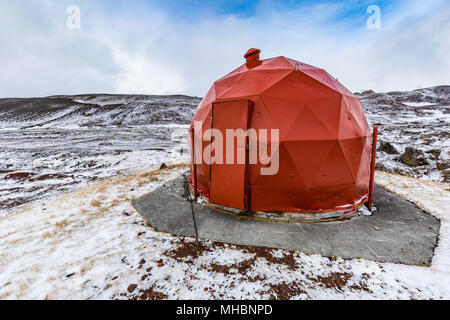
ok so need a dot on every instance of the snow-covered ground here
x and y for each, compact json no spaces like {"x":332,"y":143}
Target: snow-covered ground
{"x":71,"y":165}
{"x":59,"y":144}
{"x":41,"y":163}
{"x":92,"y":244}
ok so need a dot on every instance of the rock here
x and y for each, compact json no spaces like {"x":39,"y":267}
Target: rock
{"x":380,"y":167}
{"x":443,"y":165}
{"x":434,"y":152}
{"x":132,"y":287}
{"x":387,"y":147}
{"x":446,"y":175}
{"x":163,"y":166}
{"x":413,"y":157}
{"x":367,"y":92}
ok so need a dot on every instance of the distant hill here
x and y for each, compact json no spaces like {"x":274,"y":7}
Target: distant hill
{"x":96,"y":110}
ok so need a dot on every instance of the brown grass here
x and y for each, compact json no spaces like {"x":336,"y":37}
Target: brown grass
{"x":62,"y":224}
{"x":95,"y":203}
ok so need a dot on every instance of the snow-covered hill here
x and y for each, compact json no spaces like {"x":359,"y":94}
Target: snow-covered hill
{"x":100,"y":110}
{"x":60,"y":143}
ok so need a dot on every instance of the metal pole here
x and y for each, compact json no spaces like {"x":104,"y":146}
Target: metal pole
{"x":194,"y":178}
{"x":372,"y":166}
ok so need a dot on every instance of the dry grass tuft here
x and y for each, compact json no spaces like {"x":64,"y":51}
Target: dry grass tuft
{"x":61,"y":224}
{"x":95,"y":203}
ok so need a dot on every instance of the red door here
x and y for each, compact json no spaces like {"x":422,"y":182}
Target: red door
{"x":228,"y":180}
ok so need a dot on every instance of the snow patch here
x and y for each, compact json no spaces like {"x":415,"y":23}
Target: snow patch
{"x":418,"y":104}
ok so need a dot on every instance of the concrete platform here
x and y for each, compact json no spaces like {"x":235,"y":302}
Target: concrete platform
{"x":398,"y":231}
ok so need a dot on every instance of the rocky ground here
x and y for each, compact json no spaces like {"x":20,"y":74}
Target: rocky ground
{"x":414,"y":131}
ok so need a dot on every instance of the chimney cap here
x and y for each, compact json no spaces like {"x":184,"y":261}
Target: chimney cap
{"x":251,"y":51}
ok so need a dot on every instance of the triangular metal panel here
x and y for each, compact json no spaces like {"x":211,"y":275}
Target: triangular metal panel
{"x":308,"y":157}
{"x":333,"y":170}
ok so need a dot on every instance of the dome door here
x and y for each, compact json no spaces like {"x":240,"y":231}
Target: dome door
{"x":229,"y":183}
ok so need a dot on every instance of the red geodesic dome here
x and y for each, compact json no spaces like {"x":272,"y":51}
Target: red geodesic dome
{"x":324,"y":139}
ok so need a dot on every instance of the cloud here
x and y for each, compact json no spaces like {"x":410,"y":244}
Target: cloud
{"x":154,"y":49}
{"x":142,"y":75}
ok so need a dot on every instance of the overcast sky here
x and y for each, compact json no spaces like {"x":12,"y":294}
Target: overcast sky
{"x":167,"y":47}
